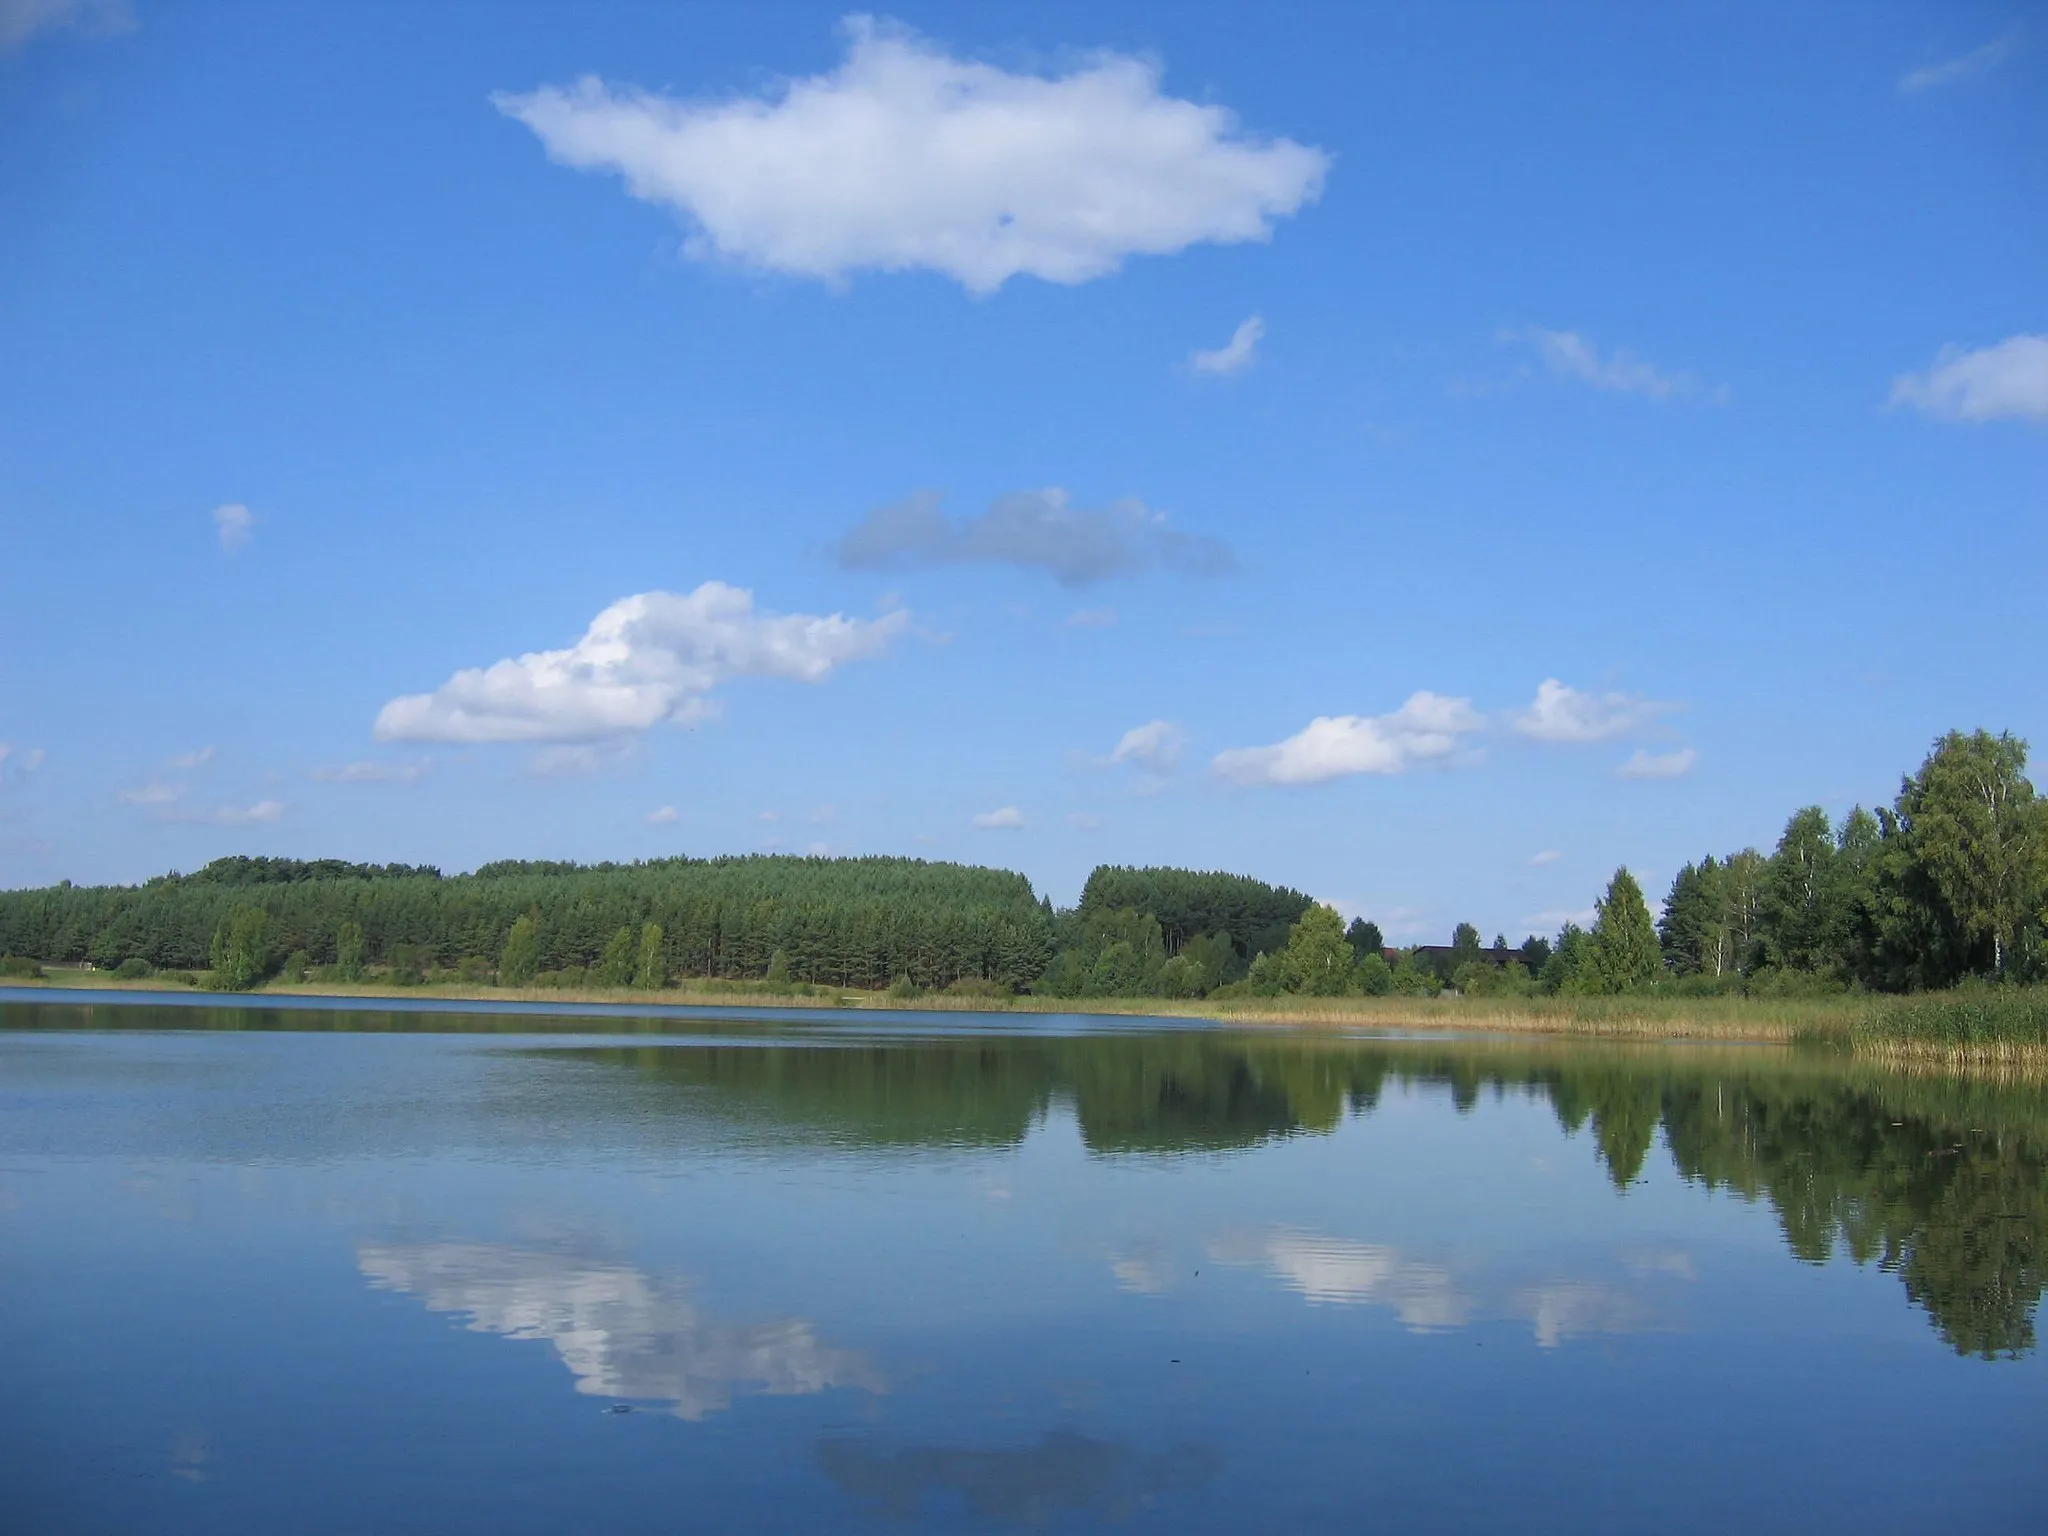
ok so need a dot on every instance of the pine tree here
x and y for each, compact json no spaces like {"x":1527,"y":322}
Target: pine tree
{"x":1625,"y":948}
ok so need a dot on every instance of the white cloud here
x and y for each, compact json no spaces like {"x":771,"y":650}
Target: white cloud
{"x":1154,"y":747}
{"x":1004,"y":819}
{"x":646,"y":659}
{"x":1425,"y":730}
{"x":191,"y":760}
{"x":1570,"y":356}
{"x":663,"y":816}
{"x":21,"y":20}
{"x":1658,"y":765}
{"x":32,"y":759}
{"x":2006,"y":380}
{"x":1039,"y":530}
{"x":1562,"y":714}
{"x":823,"y":815}
{"x":1547,"y":856}
{"x":371,"y":773}
{"x":1949,"y":71}
{"x":1233,"y":354}
{"x":905,"y":157}
{"x":1081,"y":821}
{"x":1091,"y":618}
{"x":156,"y":792}
{"x":235,"y":524}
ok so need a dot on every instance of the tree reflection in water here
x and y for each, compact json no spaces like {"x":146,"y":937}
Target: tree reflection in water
{"x":1941,"y":1181}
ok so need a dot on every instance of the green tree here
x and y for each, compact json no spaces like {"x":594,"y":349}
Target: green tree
{"x":1625,"y":948}
{"x":519,"y":963}
{"x":650,"y":974}
{"x":1372,"y":975}
{"x":1971,"y":822}
{"x":241,"y":949}
{"x":1803,"y":926}
{"x":615,"y":964}
{"x":1318,"y":957}
{"x":348,"y":951}
{"x":1365,"y":938}
{"x":1465,"y":946}
{"x":1572,"y":969}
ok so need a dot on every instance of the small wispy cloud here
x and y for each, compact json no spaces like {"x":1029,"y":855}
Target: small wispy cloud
{"x":1547,"y":856}
{"x":371,"y":773}
{"x":2008,"y":380}
{"x":1081,"y":821}
{"x":235,"y":525}
{"x":1557,"y":917}
{"x":1154,"y":747}
{"x":187,"y":761}
{"x":155,"y":792}
{"x":1003,"y":819}
{"x":1233,"y":354}
{"x":1031,"y":530}
{"x":1568,"y":355}
{"x":1950,"y":71}
{"x":21,"y":20}
{"x":1091,"y":618}
{"x":1643,"y":764}
{"x":262,"y":811}
{"x":663,"y":816}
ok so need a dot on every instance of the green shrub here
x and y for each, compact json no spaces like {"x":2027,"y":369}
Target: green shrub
{"x":20,"y":966}
{"x":408,"y":965}
{"x":134,"y":968}
{"x":903,"y":988}
{"x":977,"y":986}
{"x":296,"y":965}
{"x":473,"y":970}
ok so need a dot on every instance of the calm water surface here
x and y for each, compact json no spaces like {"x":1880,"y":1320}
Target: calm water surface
{"x":374,"y":1272}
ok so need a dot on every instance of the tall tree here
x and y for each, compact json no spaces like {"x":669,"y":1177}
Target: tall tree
{"x":650,"y":973}
{"x":1972,"y":822}
{"x":1465,"y":945}
{"x":1625,"y":948}
{"x":241,"y":949}
{"x":1803,"y":928}
{"x":1365,"y":938}
{"x":520,"y":961}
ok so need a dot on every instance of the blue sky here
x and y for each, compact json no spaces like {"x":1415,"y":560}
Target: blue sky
{"x":1110,"y":433}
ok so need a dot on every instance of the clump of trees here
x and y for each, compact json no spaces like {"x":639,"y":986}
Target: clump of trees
{"x":1949,"y":882}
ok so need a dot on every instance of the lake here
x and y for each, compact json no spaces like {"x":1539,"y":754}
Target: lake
{"x":377,"y":1270}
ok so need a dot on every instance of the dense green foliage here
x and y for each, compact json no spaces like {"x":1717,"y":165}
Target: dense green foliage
{"x":1949,"y":882}
{"x":855,"y":922}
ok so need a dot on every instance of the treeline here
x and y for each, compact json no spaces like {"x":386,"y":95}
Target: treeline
{"x":1949,"y":882}
{"x":846,"y":922}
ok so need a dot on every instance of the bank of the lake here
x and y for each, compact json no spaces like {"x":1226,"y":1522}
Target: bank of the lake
{"x":1997,"y":1027}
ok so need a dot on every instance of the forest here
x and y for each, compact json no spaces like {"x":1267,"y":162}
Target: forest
{"x":1946,"y":884}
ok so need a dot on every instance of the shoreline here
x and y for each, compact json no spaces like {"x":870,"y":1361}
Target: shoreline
{"x":1826,"y":1024}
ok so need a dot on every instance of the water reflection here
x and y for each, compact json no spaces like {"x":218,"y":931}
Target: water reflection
{"x":1063,"y":1472}
{"x":621,"y":1334}
{"x":1940,"y":1181}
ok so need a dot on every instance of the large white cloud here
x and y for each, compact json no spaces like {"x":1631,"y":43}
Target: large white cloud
{"x":906,"y":157}
{"x":1427,"y":729}
{"x":1564,"y":714}
{"x":2006,"y":380}
{"x":646,"y":659}
{"x":1034,"y":530}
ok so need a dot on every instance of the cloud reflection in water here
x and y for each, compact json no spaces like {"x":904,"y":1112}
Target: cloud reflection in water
{"x":620,"y":1333}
